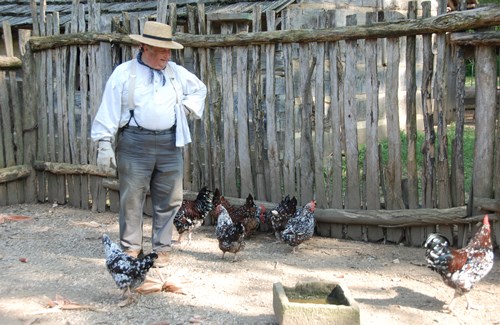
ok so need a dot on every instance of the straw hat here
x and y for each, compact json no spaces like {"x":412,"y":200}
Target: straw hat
{"x":157,"y":34}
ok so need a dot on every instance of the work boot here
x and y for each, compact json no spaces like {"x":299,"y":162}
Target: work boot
{"x":163,"y":258}
{"x":135,"y":253}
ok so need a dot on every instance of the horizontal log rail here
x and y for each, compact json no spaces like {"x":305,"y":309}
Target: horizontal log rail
{"x":10,"y":62}
{"x":9,"y":174}
{"x":451,"y":22}
{"x":485,"y":38}
{"x":73,"y":169}
{"x":381,"y":218}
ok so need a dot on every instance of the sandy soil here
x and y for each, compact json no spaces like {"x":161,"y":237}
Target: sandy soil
{"x":58,"y":254}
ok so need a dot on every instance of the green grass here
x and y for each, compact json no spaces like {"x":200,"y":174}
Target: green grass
{"x":468,"y":148}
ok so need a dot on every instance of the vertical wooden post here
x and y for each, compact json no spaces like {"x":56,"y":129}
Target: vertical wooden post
{"x":289,"y":175}
{"x":411,"y":112}
{"x":319,"y":116}
{"x":255,"y":97}
{"x":428,"y":174}
{"x":443,"y":182}
{"x":272,"y":143}
{"x":230,"y":188}
{"x":307,"y":66}
{"x":483,"y":174}
{"x":394,"y":166}
{"x":352,"y":197}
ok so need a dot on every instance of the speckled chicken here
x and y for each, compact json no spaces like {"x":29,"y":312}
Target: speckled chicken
{"x":247,"y":213}
{"x":231,"y":235}
{"x":192,"y":213}
{"x":300,"y":227}
{"x":279,"y":216}
{"x":127,"y":272}
{"x":462,"y":268}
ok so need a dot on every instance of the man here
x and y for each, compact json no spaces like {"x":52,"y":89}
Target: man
{"x":143,"y":110}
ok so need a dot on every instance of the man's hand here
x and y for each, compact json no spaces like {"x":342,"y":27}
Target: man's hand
{"x":106,"y":155}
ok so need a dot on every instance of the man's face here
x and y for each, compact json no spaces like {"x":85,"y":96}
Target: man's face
{"x":156,"y":57}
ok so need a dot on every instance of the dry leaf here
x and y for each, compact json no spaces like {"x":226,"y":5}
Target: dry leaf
{"x":65,"y":304}
{"x":152,"y":285}
{"x":23,"y":259}
{"x":196,"y":319}
{"x":91,"y":224}
{"x":171,"y":287}
{"x":13,"y":217}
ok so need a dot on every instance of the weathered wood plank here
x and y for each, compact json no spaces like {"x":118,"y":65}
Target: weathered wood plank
{"x":372,"y":119}
{"x":393,"y":170}
{"x":319,"y":117}
{"x":257,"y":112}
{"x":352,"y":197}
{"x":7,"y":115}
{"x":374,"y":234}
{"x":29,"y":115}
{"x":483,"y":173}
{"x":50,"y":134}
{"x":336,"y":109}
{"x":289,"y":176}
{"x":60,"y":112}
{"x":84,"y":143}
{"x":271,"y":133}
{"x":411,"y":113}
{"x":72,"y":151}
{"x":307,"y":66}
{"x":228,"y":118}
{"x":99,"y":70}
{"x":245,"y":163}
{"x":457,"y":163}
{"x":440,"y":88}
{"x":205,"y":76}
{"x":215,"y":98}
{"x":429,"y":172}
{"x":162,"y":11}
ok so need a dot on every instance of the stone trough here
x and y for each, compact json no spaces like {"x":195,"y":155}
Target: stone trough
{"x":315,"y":303}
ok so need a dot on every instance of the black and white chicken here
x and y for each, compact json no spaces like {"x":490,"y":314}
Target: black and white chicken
{"x":279,"y":216}
{"x":127,"y":272}
{"x":301,"y":226}
{"x":231,"y":235}
{"x":192,"y":214}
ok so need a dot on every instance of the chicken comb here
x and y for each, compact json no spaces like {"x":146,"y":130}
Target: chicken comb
{"x":485,"y":220}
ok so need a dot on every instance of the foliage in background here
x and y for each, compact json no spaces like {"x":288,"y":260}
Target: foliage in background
{"x":468,"y":142}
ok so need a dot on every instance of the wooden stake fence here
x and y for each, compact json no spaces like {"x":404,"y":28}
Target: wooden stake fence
{"x":283,"y":115}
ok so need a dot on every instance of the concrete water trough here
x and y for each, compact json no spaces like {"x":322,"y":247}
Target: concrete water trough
{"x":315,"y":303}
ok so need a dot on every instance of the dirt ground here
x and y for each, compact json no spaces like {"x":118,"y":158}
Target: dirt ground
{"x":57,"y":257}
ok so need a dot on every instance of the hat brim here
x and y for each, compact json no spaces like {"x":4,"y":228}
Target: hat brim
{"x":158,"y":43}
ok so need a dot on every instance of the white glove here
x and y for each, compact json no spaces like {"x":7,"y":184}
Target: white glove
{"x":106,"y":155}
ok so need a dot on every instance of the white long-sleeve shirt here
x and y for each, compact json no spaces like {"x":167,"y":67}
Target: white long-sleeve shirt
{"x":154,"y":102}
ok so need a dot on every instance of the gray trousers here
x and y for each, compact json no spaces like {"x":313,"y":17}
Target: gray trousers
{"x":148,"y":160}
